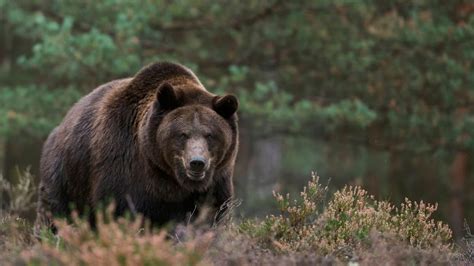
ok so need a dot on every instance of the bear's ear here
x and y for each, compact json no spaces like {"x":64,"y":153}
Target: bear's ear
{"x":166,"y":97}
{"x":226,"y":106}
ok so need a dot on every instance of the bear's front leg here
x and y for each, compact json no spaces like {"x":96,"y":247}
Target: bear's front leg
{"x":223,"y":195}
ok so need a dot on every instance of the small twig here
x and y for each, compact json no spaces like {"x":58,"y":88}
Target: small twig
{"x":139,"y":231}
{"x":131,"y":206}
{"x":225,"y":209}
{"x":468,"y":230}
{"x":191,"y":214}
{"x":58,"y":241}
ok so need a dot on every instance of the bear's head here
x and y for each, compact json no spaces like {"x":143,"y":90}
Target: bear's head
{"x":192,"y":134}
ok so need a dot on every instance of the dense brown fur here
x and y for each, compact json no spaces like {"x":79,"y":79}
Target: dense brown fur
{"x":115,"y":143}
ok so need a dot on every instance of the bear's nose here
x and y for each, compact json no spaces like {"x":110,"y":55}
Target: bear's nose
{"x":197,"y":163}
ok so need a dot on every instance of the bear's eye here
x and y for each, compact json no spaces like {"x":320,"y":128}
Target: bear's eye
{"x":183,"y":135}
{"x":209,"y":136}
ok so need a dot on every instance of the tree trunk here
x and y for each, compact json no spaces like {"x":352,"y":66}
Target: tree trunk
{"x":3,"y":151}
{"x":459,"y":172}
{"x":2,"y":161}
{"x":267,"y":165}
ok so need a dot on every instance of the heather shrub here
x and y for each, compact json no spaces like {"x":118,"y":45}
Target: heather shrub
{"x":346,"y":223}
{"x":467,"y":245}
{"x":352,"y":214}
{"x":16,"y":235}
{"x":286,"y":231}
{"x":18,"y":198}
{"x":385,"y":249}
{"x":118,"y":241}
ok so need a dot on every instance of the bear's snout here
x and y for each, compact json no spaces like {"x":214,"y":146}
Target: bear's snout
{"x":197,"y":168}
{"x":197,"y":164}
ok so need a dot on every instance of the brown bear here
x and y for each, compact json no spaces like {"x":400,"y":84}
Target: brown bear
{"x":158,"y":144}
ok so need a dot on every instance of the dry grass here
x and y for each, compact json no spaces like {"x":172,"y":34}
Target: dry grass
{"x":352,"y":227}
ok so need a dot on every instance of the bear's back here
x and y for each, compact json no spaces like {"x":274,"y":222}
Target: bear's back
{"x":66,"y":156}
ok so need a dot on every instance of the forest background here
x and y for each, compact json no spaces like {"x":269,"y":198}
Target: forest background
{"x":372,"y":93}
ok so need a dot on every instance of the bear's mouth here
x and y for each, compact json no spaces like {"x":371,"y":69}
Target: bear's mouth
{"x":195,"y":176}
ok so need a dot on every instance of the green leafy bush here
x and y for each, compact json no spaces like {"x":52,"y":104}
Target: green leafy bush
{"x":33,"y":110}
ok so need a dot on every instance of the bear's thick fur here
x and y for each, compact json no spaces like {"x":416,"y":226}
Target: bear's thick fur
{"x":159,"y":144}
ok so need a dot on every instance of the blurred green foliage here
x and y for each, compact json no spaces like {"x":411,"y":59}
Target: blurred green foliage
{"x":398,"y":73}
{"x":33,"y":110}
